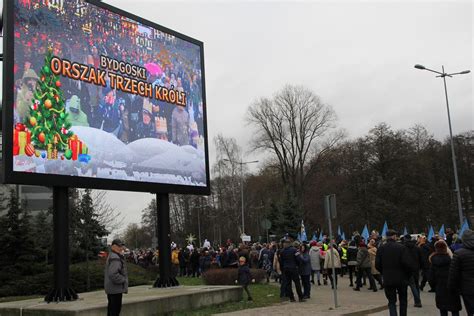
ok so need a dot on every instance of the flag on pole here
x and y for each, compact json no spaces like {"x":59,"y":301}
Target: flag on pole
{"x":441,"y":233}
{"x":320,"y":236}
{"x":303,"y":232}
{"x":298,"y":237}
{"x":339,"y":231}
{"x":384,"y":229}
{"x":405,"y":231}
{"x":430,"y":233}
{"x":464,"y":227}
{"x":365,"y":233}
{"x":315,"y":238}
{"x":343,"y":236}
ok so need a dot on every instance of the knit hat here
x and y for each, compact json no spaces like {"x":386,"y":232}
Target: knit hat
{"x":441,"y":247}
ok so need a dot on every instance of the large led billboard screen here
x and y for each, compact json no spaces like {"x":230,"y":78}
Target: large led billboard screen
{"x":97,"y":97}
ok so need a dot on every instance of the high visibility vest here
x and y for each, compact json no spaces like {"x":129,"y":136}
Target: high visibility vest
{"x":344,"y":253}
{"x":325,"y":247}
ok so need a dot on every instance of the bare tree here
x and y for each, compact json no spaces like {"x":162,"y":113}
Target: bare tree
{"x":295,"y":126}
{"x":106,"y":214}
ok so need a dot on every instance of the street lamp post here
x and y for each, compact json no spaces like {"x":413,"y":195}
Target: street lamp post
{"x":453,"y":156}
{"x":242,"y":163}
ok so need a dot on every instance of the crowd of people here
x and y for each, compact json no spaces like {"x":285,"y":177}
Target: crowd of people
{"x":83,"y":34}
{"x":393,"y":263}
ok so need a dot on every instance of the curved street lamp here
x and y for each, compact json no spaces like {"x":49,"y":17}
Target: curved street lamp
{"x":443,"y":75}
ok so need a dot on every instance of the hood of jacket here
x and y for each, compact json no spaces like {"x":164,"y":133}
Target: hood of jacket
{"x":468,"y":239}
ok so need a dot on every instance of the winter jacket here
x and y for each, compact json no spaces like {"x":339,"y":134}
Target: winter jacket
{"x":288,"y":258}
{"x":115,"y":274}
{"x":328,"y":262}
{"x":315,"y":257}
{"x":461,"y":271}
{"x":394,"y":263}
{"x":363,"y":259}
{"x":425,"y":251}
{"x":304,"y":264}
{"x":243,"y":275}
{"x":445,"y":299}
{"x":416,"y":254}
{"x":372,"y":254}
{"x":352,"y":254}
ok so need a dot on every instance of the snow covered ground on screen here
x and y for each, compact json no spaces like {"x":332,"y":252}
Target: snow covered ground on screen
{"x":145,"y":160}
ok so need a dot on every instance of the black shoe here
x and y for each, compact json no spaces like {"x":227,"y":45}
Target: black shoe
{"x":356,"y":289}
{"x":319,"y":283}
{"x":351,"y":285}
{"x":381,"y":287}
{"x":250,"y":299}
{"x":302,"y":299}
{"x":418,"y":305}
{"x":370,"y":289}
{"x":375,"y":290}
{"x":292,"y":300}
{"x":312,"y":281}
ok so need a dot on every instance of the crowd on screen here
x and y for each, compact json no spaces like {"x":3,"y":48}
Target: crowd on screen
{"x":83,"y":36}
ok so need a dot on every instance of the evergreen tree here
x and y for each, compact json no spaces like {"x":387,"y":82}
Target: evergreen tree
{"x":48,"y":120}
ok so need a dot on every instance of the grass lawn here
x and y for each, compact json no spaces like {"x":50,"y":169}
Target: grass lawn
{"x":263,"y":295}
{"x":18,"y":298}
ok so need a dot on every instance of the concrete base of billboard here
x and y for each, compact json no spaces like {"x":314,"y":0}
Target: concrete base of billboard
{"x":141,"y":300}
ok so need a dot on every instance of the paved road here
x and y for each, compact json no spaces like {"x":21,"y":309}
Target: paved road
{"x":322,"y":303}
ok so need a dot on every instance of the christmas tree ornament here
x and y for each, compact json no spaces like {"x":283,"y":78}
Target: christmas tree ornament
{"x":43,"y":78}
{"x":37,"y":153}
{"x":29,"y":150}
{"x":58,"y":84}
{"x":48,"y":104}
{"x":33,"y":121}
{"x":42,"y":137}
{"x":43,"y":155}
{"x":46,"y":70}
{"x":62,"y":157}
{"x":20,"y":127}
{"x":68,"y":154}
{"x":62,"y":116}
{"x":64,"y":131}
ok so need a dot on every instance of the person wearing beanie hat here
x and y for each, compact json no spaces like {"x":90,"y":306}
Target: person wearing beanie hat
{"x":440,"y":261}
{"x":461,"y":271}
{"x":316,"y":258}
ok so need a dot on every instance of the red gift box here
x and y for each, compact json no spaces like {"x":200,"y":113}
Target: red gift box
{"x":76,"y":147}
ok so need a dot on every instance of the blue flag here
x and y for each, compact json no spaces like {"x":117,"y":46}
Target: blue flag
{"x":405,"y":231}
{"x":298,"y":237}
{"x":320,"y":236}
{"x":464,"y":227}
{"x":343,"y":236}
{"x":339,"y":231}
{"x":365,"y":233}
{"x":441,"y":233}
{"x":303,"y":236}
{"x":430,"y":233}
{"x":384,"y":229}
{"x":315,"y":238}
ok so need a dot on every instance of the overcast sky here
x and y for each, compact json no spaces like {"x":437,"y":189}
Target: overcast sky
{"x":358,"y":56}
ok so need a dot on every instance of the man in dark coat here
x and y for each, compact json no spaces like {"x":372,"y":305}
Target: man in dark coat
{"x":289,"y":267}
{"x":395,"y":264}
{"x":461,"y":271}
{"x":417,"y":256}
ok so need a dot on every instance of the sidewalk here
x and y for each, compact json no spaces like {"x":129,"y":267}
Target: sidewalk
{"x":350,"y":302}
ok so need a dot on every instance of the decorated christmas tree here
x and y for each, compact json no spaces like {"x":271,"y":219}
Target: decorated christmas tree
{"x":48,"y":120}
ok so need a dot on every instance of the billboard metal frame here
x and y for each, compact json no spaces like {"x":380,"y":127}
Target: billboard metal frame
{"x":8,"y":175}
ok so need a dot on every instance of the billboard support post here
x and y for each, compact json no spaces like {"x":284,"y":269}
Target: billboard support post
{"x":165,"y":279}
{"x":61,"y":290}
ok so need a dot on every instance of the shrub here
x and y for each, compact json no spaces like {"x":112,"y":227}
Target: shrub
{"x":228,"y":276}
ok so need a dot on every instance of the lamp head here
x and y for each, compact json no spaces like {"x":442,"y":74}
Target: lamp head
{"x":465,"y":72}
{"x":421,"y":67}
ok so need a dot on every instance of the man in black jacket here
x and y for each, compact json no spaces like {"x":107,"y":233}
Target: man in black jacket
{"x":289,"y":267}
{"x":461,"y":271}
{"x":395,"y":264}
{"x":418,"y":263}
